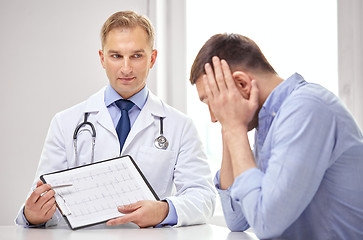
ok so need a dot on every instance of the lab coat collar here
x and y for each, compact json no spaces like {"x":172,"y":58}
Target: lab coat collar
{"x":155,"y":105}
{"x":96,"y":104}
{"x":152,"y":109}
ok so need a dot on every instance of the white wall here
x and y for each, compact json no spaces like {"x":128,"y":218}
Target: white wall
{"x":350,"y":52}
{"x":48,"y":62}
{"x":168,"y":17}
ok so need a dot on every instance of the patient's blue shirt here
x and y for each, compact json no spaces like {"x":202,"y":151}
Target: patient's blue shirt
{"x":309,"y":180}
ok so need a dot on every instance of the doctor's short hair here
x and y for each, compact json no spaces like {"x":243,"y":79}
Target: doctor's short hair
{"x":128,"y":19}
{"x":240,"y":52}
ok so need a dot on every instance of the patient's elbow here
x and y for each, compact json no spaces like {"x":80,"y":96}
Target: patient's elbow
{"x":237,"y":226}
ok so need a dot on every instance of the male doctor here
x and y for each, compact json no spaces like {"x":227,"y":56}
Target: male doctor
{"x":179,"y":173}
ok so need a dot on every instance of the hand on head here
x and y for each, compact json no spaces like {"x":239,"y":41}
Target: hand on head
{"x":233,"y":105}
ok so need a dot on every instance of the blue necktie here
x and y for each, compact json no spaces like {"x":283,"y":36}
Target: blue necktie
{"x":123,"y":125}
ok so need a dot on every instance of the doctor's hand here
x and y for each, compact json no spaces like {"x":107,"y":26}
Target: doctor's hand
{"x":41,"y":205}
{"x":145,"y":213}
{"x":232,"y":101}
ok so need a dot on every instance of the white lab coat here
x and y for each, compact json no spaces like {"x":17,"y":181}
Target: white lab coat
{"x":181,"y":167}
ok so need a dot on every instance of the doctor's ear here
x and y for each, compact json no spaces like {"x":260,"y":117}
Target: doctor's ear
{"x":154,"y":54}
{"x":243,"y":83}
{"x":100,"y":53}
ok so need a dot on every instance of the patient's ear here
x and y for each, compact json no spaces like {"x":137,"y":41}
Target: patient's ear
{"x":243,"y":83}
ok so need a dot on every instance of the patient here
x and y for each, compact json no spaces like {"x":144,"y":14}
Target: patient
{"x":304,"y":178}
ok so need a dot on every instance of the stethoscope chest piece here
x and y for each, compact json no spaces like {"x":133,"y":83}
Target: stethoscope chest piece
{"x":161,"y":142}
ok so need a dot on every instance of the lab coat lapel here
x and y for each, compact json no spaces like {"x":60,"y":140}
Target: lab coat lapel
{"x":153,"y":108}
{"x":96,"y":104}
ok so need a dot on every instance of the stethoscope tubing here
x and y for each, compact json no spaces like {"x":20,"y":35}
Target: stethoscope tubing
{"x":75,"y":134}
{"x":160,"y":142}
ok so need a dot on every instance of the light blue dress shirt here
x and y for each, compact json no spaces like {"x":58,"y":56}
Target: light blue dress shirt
{"x":309,"y":181}
{"x":139,"y":99}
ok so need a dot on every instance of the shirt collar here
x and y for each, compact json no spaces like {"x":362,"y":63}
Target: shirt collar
{"x":139,"y":99}
{"x":279,"y":94}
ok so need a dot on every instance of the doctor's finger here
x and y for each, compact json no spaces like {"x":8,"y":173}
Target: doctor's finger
{"x":38,"y":192}
{"x":122,"y":220}
{"x":130,"y":207}
{"x":51,"y":211}
{"x":47,"y":206}
{"x":47,"y":198}
{"x":219,"y":73}
{"x":39,"y":183}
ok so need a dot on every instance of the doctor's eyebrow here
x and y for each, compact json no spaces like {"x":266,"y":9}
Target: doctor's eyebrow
{"x":111,"y":51}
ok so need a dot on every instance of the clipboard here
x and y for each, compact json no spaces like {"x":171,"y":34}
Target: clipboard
{"x":93,"y":192}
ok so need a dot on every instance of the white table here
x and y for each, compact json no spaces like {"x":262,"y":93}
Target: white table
{"x":127,"y":232}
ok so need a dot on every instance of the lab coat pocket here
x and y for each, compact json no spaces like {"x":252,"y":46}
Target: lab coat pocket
{"x":157,"y":165}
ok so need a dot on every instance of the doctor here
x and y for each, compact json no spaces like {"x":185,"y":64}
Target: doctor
{"x":176,"y":168}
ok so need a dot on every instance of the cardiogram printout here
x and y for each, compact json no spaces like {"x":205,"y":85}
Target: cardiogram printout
{"x":98,"y":189}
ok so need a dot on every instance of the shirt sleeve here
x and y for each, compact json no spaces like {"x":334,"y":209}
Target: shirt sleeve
{"x":298,"y":153}
{"x":232,"y":211}
{"x":29,"y":224}
{"x":172,"y":217}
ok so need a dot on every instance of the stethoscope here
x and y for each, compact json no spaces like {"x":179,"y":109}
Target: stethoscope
{"x":78,"y":130}
{"x":160,"y":142}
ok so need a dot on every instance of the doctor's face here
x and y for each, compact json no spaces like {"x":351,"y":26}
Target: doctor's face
{"x":127,"y":58}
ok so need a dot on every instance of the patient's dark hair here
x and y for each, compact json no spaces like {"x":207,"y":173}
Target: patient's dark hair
{"x":240,"y":52}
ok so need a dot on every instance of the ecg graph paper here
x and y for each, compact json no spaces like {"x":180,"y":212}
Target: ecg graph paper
{"x":97,"y":190}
